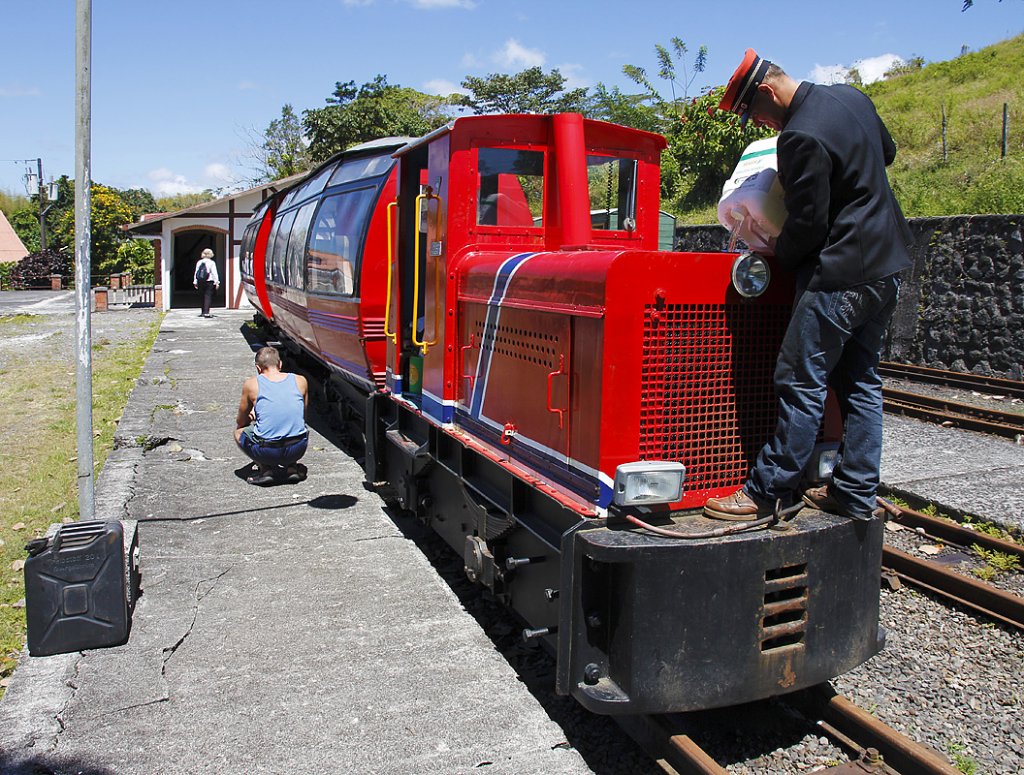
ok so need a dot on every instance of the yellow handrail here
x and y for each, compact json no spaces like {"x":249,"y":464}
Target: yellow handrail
{"x":425,"y":345}
{"x":391,"y":260}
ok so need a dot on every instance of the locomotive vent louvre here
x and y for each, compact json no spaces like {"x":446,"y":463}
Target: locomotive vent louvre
{"x":707,"y":398}
{"x":784,"y":616}
{"x":518,"y":343}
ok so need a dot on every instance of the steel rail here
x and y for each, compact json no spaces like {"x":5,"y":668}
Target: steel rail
{"x":998,"y":385}
{"x":946,"y":405}
{"x":676,"y":754}
{"x":854,"y":728}
{"x":955,"y":533}
{"x":959,"y":415}
{"x":976,"y":595}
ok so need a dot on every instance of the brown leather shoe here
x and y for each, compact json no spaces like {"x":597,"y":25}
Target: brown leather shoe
{"x":737,"y":507}
{"x":821,"y":499}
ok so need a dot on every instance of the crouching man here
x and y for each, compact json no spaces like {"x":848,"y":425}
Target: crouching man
{"x":271,"y":421}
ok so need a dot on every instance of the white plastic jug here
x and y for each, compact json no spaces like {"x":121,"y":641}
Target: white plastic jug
{"x":751,"y":206}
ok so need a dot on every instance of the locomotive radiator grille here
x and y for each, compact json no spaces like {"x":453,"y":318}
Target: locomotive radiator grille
{"x":784,"y":615}
{"x":707,"y":399}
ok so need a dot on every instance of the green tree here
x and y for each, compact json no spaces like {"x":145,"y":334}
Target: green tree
{"x":136,"y":256}
{"x":11,"y":203}
{"x":627,"y":109}
{"x":140,"y":200}
{"x":905,"y":67}
{"x":529,"y":91}
{"x":283,"y":151}
{"x":109,"y":213}
{"x":25,"y":223}
{"x":703,"y":144}
{"x":376,"y":109}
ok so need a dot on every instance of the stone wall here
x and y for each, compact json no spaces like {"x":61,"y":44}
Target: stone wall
{"x":962,"y":303}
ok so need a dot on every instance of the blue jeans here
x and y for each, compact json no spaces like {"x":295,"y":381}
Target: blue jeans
{"x":834,"y":339}
{"x":272,"y":453}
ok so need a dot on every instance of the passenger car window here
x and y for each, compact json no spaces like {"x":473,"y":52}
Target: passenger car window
{"x":278,"y":258}
{"x":335,"y":239}
{"x":297,"y":244}
{"x":510,"y":187}
{"x":271,"y":274}
{"x":356,"y":169}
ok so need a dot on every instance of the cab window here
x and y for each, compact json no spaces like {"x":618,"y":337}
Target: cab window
{"x":510,"y":187}
{"x":612,"y":185}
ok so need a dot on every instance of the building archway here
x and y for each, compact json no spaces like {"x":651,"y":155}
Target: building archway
{"x":187,"y":244}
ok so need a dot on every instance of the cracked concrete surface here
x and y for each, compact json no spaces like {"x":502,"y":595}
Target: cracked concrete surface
{"x":280,"y":630}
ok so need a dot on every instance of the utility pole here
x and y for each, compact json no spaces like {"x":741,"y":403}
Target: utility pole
{"x":43,"y":209}
{"x":83,"y":258}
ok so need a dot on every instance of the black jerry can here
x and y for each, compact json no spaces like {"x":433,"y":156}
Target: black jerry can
{"x":81,"y":582}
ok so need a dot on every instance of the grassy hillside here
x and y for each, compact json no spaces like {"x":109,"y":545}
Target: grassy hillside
{"x":973,"y":179}
{"x":973,"y":88}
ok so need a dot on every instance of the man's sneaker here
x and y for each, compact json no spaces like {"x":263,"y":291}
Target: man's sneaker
{"x":821,"y":499}
{"x":738,"y":507}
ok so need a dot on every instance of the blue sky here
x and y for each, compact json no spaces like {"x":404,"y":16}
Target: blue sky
{"x":180,"y":88}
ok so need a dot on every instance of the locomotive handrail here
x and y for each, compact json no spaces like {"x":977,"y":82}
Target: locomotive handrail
{"x":425,"y":344}
{"x":392,"y":335}
{"x":551,"y":377}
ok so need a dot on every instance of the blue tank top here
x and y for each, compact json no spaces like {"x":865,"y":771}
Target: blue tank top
{"x":279,"y":409}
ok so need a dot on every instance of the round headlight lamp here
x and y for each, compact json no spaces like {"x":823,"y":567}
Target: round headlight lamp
{"x":750,"y":275}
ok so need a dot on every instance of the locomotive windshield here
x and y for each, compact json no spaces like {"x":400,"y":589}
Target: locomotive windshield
{"x":612,"y":184}
{"x":511,"y":187}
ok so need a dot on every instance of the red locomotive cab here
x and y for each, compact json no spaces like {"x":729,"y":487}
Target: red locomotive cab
{"x":542,"y":320}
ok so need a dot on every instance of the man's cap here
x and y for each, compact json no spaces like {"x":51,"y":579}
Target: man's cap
{"x":742,"y":87}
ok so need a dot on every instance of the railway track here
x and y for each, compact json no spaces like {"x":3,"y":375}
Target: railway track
{"x":954,"y":379}
{"x":948,"y":584}
{"x":954,"y":413}
{"x":873,"y":746}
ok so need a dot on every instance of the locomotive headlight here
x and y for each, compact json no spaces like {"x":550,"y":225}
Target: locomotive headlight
{"x":826,"y":457}
{"x":648,"y":481}
{"x":750,"y":275}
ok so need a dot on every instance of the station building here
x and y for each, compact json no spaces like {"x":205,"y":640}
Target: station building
{"x":179,"y":237}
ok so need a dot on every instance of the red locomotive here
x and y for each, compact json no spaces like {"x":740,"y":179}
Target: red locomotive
{"x":534,"y":378}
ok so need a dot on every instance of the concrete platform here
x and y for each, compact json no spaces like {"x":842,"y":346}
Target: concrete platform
{"x":975,"y":473}
{"x":291,"y":629}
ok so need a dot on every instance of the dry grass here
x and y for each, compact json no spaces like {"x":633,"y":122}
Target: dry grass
{"x":38,"y":440}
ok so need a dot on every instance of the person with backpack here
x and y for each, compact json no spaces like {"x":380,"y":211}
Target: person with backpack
{"x":205,"y":280}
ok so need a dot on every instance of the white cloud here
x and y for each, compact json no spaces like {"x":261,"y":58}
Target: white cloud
{"x":219,"y":173}
{"x":828,"y":74}
{"x":430,"y":5}
{"x":19,"y":90}
{"x":442,"y":88}
{"x":247,"y":85}
{"x":514,"y":55}
{"x":574,"y":78}
{"x":871,"y":69}
{"x":168,"y":183}
{"x":874,"y":68}
{"x":471,"y":61}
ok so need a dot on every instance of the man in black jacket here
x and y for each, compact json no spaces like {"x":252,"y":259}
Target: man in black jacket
{"x":845,"y":238}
